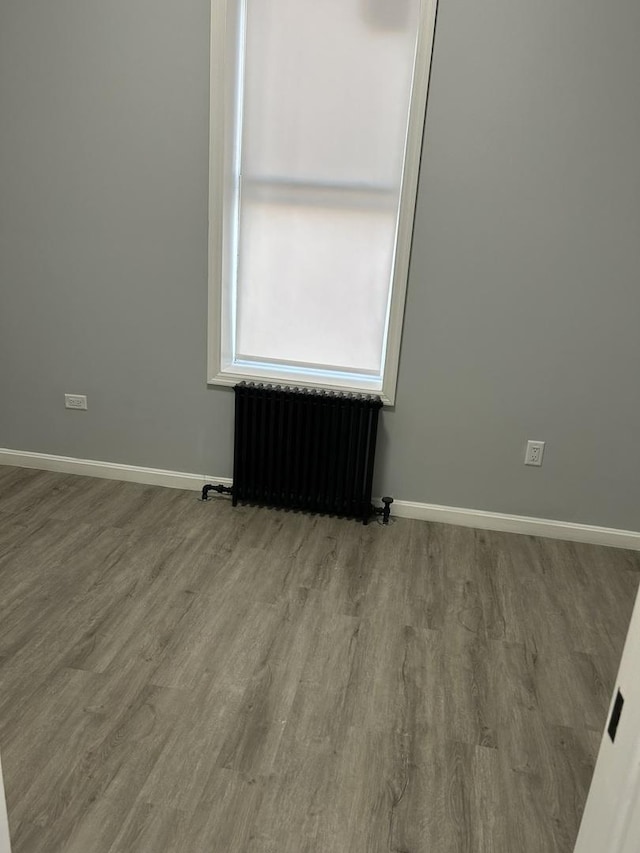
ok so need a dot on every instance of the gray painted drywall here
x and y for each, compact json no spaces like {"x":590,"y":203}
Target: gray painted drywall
{"x":524,"y":297}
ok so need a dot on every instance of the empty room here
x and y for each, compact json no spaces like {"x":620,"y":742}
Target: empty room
{"x":319,"y":491}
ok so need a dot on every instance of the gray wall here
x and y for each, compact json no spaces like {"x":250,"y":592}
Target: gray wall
{"x":523,"y":304}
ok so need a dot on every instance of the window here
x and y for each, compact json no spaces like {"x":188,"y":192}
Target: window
{"x":317,"y":109}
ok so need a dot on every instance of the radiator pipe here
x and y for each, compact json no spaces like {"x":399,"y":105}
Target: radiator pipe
{"x":222,"y":490}
{"x":384,"y":511}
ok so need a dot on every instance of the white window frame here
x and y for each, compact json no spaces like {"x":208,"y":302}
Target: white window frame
{"x":225,"y":20}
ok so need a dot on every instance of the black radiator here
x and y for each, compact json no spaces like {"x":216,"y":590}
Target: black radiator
{"x":305,"y":450}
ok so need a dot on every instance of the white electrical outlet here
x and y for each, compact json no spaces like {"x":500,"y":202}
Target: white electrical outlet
{"x":75,"y":401}
{"x":534,"y":454}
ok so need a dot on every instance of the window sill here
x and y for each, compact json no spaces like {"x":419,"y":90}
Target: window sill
{"x":229,"y":379}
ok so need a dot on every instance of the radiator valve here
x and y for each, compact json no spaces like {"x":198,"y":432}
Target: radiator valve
{"x":384,"y":511}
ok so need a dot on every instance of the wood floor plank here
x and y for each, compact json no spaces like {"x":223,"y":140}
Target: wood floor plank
{"x":225,"y":815}
{"x":178,"y":675}
{"x":470,"y":714}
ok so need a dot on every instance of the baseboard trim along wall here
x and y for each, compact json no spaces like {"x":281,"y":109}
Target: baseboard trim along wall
{"x":108,"y":470}
{"x":480,"y":519}
{"x":528,"y":525}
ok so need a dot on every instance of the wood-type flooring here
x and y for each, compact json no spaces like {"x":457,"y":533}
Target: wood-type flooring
{"x":185,"y":677}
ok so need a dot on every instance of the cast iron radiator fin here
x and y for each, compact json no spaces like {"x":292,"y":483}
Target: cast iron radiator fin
{"x":304,"y":449}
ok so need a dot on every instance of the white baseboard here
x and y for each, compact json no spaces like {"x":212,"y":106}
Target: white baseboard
{"x":402,"y":509}
{"x":108,"y":470}
{"x":504,"y":523}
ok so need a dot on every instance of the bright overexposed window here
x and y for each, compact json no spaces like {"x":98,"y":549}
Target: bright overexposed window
{"x":316,"y":121}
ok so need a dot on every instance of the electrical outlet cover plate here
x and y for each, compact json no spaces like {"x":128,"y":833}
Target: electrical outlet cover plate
{"x":534,"y":454}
